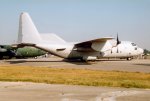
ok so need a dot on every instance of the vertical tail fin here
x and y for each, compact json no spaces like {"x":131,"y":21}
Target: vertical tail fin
{"x":27,"y":30}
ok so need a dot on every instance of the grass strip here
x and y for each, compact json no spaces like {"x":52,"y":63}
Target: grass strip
{"x":75,"y":76}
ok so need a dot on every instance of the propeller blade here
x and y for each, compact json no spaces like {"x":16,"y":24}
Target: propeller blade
{"x":118,"y":42}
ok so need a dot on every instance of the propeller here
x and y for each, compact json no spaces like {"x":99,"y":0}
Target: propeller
{"x":118,"y":42}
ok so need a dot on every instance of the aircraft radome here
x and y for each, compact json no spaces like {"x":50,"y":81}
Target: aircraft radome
{"x":94,"y":49}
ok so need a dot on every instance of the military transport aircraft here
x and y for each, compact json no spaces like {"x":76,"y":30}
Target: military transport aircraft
{"x":88,"y":50}
{"x":6,"y":53}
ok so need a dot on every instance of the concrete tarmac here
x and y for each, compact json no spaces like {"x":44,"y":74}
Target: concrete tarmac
{"x":19,"y":91}
{"x":136,"y":65}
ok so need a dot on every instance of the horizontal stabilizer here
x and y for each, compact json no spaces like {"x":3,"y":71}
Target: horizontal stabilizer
{"x":52,"y":38}
{"x":22,"y":45}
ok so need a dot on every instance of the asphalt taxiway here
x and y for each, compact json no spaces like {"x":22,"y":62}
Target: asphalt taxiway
{"x":136,"y":65}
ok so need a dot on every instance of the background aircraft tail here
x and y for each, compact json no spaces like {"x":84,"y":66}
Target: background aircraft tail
{"x":27,"y":31}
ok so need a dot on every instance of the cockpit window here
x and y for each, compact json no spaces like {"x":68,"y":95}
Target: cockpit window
{"x":133,"y":44}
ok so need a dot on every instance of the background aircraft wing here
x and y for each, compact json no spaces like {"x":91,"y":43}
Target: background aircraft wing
{"x":92,"y":45}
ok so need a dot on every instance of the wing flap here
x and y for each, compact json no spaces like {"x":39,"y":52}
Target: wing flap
{"x":92,"y":45}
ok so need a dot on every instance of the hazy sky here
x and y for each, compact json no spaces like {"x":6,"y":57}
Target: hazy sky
{"x":77,"y":20}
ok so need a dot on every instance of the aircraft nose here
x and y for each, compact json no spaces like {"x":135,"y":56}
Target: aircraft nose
{"x":141,"y":51}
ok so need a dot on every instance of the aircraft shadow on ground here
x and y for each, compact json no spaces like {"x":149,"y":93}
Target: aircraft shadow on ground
{"x":76,"y":62}
{"x":24,"y":61}
{"x":143,"y":64}
{"x":111,"y":60}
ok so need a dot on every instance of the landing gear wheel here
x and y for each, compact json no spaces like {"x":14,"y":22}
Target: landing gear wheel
{"x":129,"y":58}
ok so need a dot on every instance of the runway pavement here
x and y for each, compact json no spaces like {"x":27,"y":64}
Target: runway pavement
{"x":19,"y":91}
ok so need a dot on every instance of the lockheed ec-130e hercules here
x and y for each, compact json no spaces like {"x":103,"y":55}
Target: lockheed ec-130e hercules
{"x":106,"y":47}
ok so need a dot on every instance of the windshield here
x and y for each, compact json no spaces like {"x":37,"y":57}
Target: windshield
{"x":133,"y":44}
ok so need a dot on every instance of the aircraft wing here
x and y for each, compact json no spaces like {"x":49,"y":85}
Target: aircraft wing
{"x":92,"y":45}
